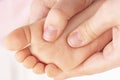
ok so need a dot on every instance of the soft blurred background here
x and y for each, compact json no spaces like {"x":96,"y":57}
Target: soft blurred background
{"x":14,"y":13}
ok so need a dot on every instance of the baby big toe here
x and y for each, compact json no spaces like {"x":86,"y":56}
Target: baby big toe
{"x":18,"y":38}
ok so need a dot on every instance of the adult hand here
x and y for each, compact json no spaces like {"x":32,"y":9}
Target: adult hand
{"x":109,"y":57}
{"x":57,"y":13}
{"x":59,"y":16}
{"x":99,"y":62}
{"x":106,"y":17}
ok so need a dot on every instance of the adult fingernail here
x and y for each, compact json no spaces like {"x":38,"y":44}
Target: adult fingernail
{"x":75,"y":40}
{"x":50,"y":33}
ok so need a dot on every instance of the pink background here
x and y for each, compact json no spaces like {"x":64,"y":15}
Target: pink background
{"x":13,"y":13}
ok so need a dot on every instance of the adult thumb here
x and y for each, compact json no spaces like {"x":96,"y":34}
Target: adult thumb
{"x":91,"y":29}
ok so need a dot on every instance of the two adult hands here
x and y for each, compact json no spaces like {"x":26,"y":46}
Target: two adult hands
{"x":105,"y":59}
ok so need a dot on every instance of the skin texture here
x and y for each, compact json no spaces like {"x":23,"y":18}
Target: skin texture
{"x":109,"y":57}
{"x":58,"y":53}
{"x":99,"y":62}
{"x":44,"y":55}
{"x":108,"y":60}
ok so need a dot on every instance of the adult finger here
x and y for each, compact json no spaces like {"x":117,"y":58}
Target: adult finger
{"x":60,"y":14}
{"x":91,"y":28}
{"x":40,"y":9}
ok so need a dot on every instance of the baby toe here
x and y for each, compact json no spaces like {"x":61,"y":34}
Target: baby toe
{"x":30,"y":62}
{"x":22,"y":55}
{"x":52,"y":70}
{"x":39,"y":68}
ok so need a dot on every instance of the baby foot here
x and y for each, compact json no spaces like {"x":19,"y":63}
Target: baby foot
{"x":58,"y":53}
{"x":22,"y":37}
